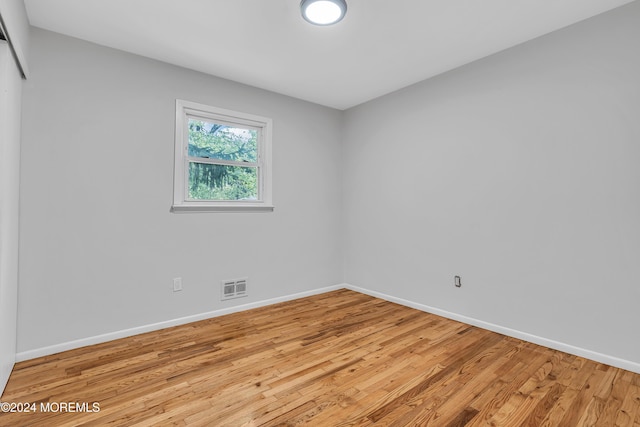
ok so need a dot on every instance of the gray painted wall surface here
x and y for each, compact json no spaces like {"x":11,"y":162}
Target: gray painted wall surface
{"x":10,"y":91}
{"x":518,"y":172}
{"x":99,"y":247}
{"x":14,"y":16}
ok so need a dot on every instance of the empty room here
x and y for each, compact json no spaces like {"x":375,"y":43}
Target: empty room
{"x":320,"y":212}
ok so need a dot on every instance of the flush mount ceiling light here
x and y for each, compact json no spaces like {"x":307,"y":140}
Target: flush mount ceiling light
{"x":323,"y":12}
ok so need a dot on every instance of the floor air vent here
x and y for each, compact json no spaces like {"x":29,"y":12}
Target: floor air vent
{"x":234,"y":289}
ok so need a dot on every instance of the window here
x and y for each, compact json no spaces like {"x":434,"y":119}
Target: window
{"x":222,"y":160}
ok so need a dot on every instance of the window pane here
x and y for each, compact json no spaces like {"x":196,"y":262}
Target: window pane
{"x":217,"y":141}
{"x":222,"y":182}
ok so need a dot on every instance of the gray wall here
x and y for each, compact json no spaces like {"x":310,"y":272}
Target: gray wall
{"x":17,"y":28}
{"x":518,"y":172}
{"x":14,"y":16}
{"x":99,"y":247}
{"x":10,"y":88}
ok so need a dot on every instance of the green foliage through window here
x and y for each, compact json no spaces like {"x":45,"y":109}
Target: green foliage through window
{"x":211,"y":181}
{"x":222,"y":182}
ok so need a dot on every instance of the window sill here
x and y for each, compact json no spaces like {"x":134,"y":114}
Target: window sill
{"x":223,"y":207}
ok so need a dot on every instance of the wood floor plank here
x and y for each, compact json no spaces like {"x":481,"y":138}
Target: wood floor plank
{"x":446,"y":403}
{"x":630,"y":406}
{"x":337,"y":359}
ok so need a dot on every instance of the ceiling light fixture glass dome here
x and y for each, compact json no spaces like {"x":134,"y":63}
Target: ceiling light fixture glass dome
{"x":323,"y":12}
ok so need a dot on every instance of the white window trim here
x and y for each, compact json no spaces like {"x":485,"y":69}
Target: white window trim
{"x":186,"y":109}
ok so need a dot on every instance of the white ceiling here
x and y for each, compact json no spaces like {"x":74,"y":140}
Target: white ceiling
{"x":380,"y":46}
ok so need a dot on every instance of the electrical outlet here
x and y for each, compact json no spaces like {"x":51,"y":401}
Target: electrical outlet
{"x":457,"y":281}
{"x":177,"y":284}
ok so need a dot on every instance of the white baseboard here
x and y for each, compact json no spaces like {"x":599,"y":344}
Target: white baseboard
{"x":589,"y":354}
{"x":556,"y":345}
{"x":70,"y":345}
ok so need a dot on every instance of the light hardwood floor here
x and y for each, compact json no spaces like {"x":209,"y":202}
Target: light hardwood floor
{"x":336,"y":359}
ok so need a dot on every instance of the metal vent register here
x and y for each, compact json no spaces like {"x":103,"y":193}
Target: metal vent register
{"x":233,"y":289}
